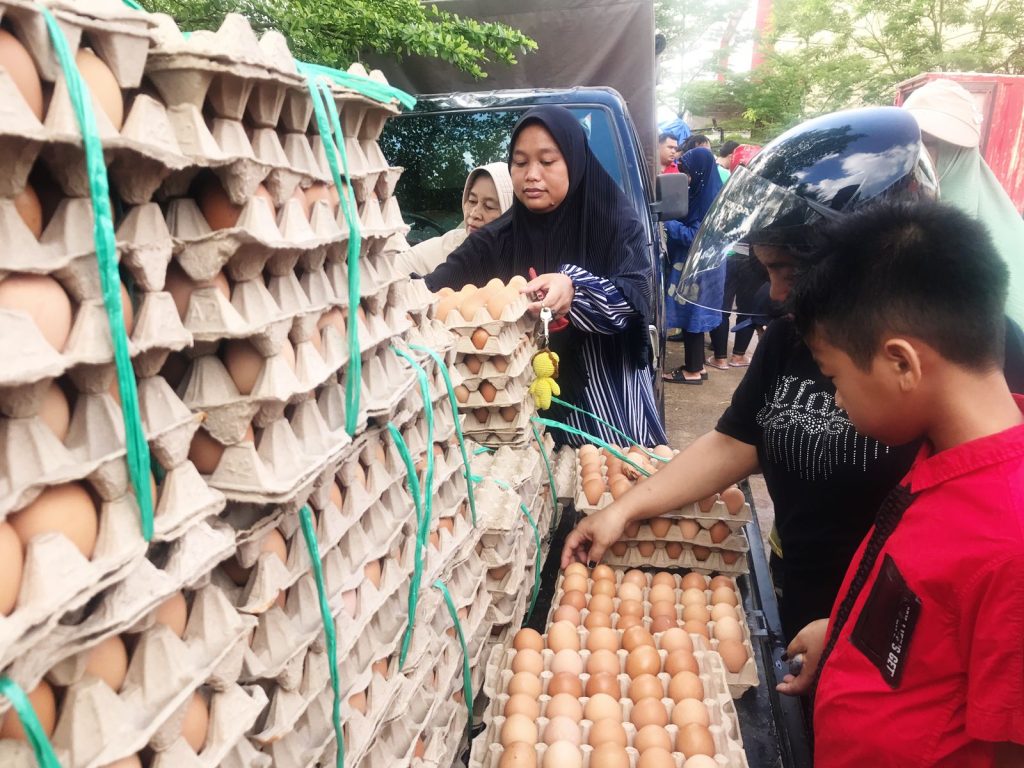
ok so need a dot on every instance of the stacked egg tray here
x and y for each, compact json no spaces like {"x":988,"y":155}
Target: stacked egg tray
{"x":592,"y":690}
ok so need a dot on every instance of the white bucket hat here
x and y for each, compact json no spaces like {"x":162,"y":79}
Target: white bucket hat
{"x":946,"y":110}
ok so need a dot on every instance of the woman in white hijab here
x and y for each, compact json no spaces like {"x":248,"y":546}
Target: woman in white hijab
{"x":487,"y":195}
{"x":951,"y":128}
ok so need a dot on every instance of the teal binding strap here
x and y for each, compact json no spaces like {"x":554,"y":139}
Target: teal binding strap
{"x":41,"y":748}
{"x":381,"y":92}
{"x":458,"y":425}
{"x":592,"y":438}
{"x":110,"y":279}
{"x":481,"y":449}
{"x":413,"y":484}
{"x":467,"y":676}
{"x":322,"y":107}
{"x":613,"y":428}
{"x":306,"y":519}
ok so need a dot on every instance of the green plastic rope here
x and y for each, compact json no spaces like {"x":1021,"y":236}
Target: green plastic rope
{"x":482,"y":449}
{"x":30,"y":723}
{"x":133,"y":4}
{"x":413,"y":484}
{"x":322,"y":107}
{"x":613,"y":428}
{"x":455,"y":414}
{"x":306,"y":518}
{"x":110,"y":279}
{"x":467,"y":676}
{"x":547,"y":465}
{"x":592,"y":438}
{"x":363,"y":85}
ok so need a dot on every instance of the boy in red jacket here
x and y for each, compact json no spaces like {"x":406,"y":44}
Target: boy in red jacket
{"x":921,"y":663}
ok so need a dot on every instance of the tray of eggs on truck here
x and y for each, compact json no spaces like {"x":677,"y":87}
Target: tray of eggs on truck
{"x":707,"y":536}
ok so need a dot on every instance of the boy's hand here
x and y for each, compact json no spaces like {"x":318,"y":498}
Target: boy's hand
{"x":809,"y":641}
{"x":592,"y":536}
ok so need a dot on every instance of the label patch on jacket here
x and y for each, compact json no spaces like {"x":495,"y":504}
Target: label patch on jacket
{"x":886,"y":624}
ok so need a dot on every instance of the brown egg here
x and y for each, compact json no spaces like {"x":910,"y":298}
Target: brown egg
{"x":563,"y":754}
{"x":734,"y":654}
{"x":601,"y":604}
{"x":102,"y":85}
{"x":603,"y":682}
{"x":55,"y":411}
{"x":645,"y":548}
{"x":631,"y":608}
{"x":663,"y":623}
{"x":500,"y":362}
{"x":66,"y":509}
{"x":473,"y":364}
{"x":603,"y":587}
{"x":663,"y":577}
{"x":244,"y":364}
{"x":574,"y":583}
{"x":518,"y":755}
{"x":461,"y":393}
{"x":719,"y":532}
{"x":619,"y":548}
{"x":45,"y":706}
{"x":528,"y":638}
{"x":445,"y":305}
{"x":694,"y":581}
{"x":525,"y":682}
{"x":733,"y":500}
{"x":649,"y":712}
{"x":43,"y":299}
{"x":567,"y":613}
{"x":723,"y":610}
{"x":662,"y":592}
{"x":655,"y":757}
{"x":380,"y":667}
{"x":173,"y":613}
{"x":601,"y":706}
{"x":603,"y":638}
{"x":521,"y":704}
{"x":215,"y":205}
{"x":697,"y":628}
{"x":645,"y":687}
{"x":313,"y":194}
{"x":593,"y":489}
{"x":196,"y":722}
{"x":695,"y":739}
{"x":358,"y":702}
{"x":652,"y":737}
{"x":567,"y":660}
{"x":603,"y":572}
{"x":725,"y":595}
{"x":603,"y":661}
{"x":577,"y":568}
{"x":509,"y":413}
{"x":628,"y":622}
{"x":707,"y":503}
{"x":609,"y":755}
{"x":663,"y":608}
{"x":674,"y":639}
{"x":563,"y":635}
{"x":635,"y":576}
{"x":674,"y":550}
{"x":26,"y":203}
{"x":564,"y":705}
{"x":488,"y":392}
{"x":518,"y":728}
{"x":689,"y":528}
{"x":12,"y":563}
{"x":728,"y":628}
{"x":690,"y":711}
{"x":701,"y":554}
{"x":628,"y":590}
{"x":634,"y":637}
{"x":576,"y":599}
{"x":696,"y":612}
{"x":528,"y":660}
{"x":607,"y":731}
{"x":619,"y":486}
{"x":596,"y":619}
{"x":480,"y":337}
{"x":561,"y":728}
{"x":17,"y":62}
{"x":681,"y":660}
{"x":643,"y":660}
{"x":685,"y":685}
{"x":660,"y":526}
{"x":109,"y":662}
{"x":565,"y":682}
{"x":693,"y":596}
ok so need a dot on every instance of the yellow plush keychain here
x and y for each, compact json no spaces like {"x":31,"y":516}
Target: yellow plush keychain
{"x":545,"y":366}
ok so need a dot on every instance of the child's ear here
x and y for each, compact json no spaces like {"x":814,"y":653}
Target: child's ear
{"x":903,"y":361}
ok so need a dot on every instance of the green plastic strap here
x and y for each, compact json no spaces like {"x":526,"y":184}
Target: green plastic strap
{"x":413,"y":484}
{"x":306,"y":518}
{"x":133,"y":4}
{"x":110,"y":280}
{"x":592,"y":438}
{"x":613,"y":428}
{"x":547,"y":465}
{"x":458,"y":425}
{"x":322,"y":107}
{"x":370,"y":88}
{"x":467,"y":677}
{"x":482,"y":449}
{"x":30,"y":723}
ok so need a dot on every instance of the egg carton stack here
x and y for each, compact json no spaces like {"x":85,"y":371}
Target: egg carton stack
{"x":601,"y":696}
{"x":494,"y":345}
{"x":92,"y":611}
{"x":709,"y":536}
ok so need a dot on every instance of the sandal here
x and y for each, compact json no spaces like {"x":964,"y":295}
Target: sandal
{"x":713,"y":362}
{"x":744,"y":364}
{"x":677,"y":376}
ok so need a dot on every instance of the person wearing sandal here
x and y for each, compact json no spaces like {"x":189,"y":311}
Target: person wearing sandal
{"x":743,"y":278}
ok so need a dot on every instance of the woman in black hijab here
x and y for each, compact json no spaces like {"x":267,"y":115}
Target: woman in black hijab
{"x":572,"y":225}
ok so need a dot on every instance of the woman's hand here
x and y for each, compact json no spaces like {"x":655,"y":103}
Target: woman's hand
{"x":592,"y":536}
{"x":553,"y":290}
{"x":809,"y":641}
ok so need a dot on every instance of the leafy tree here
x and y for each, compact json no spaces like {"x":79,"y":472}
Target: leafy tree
{"x":338,"y":32}
{"x":685,"y":24}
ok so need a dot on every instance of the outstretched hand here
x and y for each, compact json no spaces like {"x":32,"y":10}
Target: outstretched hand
{"x":552,"y":290}
{"x":810,"y":642}
{"x":593,"y":535}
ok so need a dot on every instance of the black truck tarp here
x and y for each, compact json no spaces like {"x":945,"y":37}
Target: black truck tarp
{"x":580,"y":43}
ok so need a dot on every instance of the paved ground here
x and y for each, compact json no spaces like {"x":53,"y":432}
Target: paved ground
{"x":691,"y":411}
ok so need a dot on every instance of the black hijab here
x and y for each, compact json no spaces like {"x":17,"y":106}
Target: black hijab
{"x":595,"y":228}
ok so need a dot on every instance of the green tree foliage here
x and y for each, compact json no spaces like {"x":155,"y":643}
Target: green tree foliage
{"x":338,"y":32}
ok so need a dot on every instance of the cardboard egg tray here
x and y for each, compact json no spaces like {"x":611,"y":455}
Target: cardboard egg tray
{"x":440,"y":747}
{"x":516,"y":369}
{"x":735,"y":541}
{"x":495,"y":430}
{"x":410,"y":293}
{"x":712,"y":561}
{"x":505,"y":343}
{"x":513,"y":317}
{"x":512,"y":394}
{"x":310,"y":736}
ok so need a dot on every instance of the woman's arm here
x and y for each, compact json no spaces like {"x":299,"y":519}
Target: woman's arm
{"x":681,"y":232}
{"x":593,"y":304}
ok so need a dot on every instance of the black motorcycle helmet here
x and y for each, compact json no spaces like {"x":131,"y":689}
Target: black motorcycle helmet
{"x":817,"y":170}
